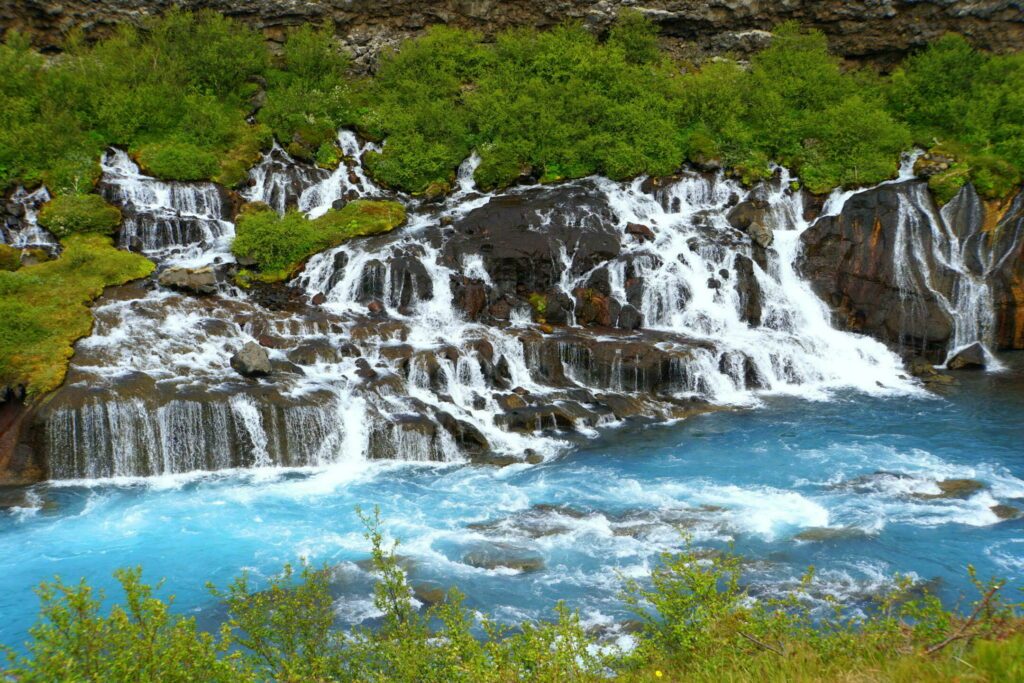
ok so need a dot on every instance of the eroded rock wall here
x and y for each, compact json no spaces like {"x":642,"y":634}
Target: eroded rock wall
{"x":880,"y":30}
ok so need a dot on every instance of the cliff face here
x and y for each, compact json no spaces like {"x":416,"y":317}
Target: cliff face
{"x":878,"y":30}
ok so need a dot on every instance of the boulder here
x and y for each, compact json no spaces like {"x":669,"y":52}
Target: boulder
{"x":1005,"y":512}
{"x":968,"y":358}
{"x":748,"y":289}
{"x":630,"y":318}
{"x":251,"y":361}
{"x":504,"y":556}
{"x":640,"y":232}
{"x":193,"y":280}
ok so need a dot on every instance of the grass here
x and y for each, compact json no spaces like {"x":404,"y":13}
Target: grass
{"x":697,"y":623}
{"x":78,"y":213}
{"x":44,"y":308}
{"x":280,"y":245}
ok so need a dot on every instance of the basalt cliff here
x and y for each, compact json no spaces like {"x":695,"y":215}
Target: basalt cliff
{"x":876,"y":30}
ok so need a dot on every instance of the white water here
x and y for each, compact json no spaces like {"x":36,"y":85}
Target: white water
{"x":433,"y":382}
{"x":31,"y":234}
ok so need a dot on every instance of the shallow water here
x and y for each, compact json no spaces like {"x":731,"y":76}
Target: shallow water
{"x":755,"y":478}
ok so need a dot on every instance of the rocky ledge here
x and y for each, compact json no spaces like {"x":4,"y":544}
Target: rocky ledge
{"x":879,"y":30}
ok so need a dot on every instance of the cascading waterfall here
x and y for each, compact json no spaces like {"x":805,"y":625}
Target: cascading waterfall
{"x":723,"y":320}
{"x":927,"y":236}
{"x":188,"y":218}
{"x":27,"y":233}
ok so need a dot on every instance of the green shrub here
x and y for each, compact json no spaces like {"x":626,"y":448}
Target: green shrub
{"x":309,"y":94}
{"x":182,"y":85}
{"x":636,"y":36}
{"x":77,"y":213}
{"x":698,"y":623}
{"x":280,"y":245}
{"x":967,"y":101}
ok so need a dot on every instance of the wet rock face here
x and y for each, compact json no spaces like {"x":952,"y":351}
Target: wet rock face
{"x":874,"y":264}
{"x":1005,"y":246}
{"x":862,"y":29}
{"x":525,"y":239}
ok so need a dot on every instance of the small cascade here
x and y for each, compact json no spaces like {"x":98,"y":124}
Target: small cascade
{"x":347,"y":181}
{"x":279,"y":180}
{"x":164,"y":216}
{"x":25,"y":232}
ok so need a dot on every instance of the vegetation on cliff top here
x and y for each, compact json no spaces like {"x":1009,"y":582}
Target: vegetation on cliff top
{"x":695,"y":623}
{"x":44,"y":308}
{"x":548,"y":105}
{"x":279,"y":245}
{"x":175,"y":94}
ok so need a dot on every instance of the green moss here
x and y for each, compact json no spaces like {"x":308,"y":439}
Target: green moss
{"x":44,"y":308}
{"x":945,"y":184}
{"x":10,"y":258}
{"x":79,"y":213}
{"x":280,"y":245}
{"x":539,"y":303}
{"x":177,"y":161}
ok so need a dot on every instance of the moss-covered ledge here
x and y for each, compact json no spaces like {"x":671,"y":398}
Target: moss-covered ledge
{"x":277,"y":246}
{"x":44,"y":308}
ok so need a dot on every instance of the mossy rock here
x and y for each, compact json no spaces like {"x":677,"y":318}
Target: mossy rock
{"x":177,"y":161}
{"x":79,"y":213}
{"x":278,"y":245}
{"x":44,"y":308}
{"x":10,"y":258}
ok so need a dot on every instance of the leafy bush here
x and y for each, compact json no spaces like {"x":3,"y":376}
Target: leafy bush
{"x":698,"y":624}
{"x":76,"y":213}
{"x":44,"y":308}
{"x":309,"y":95}
{"x":280,"y":244}
{"x":178,"y":91}
{"x":971,"y":104}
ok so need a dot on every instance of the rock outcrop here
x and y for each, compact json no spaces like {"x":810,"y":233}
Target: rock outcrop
{"x":879,"y":30}
{"x":875,"y":264}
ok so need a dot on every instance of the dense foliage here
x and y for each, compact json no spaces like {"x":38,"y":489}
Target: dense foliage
{"x":44,"y":308}
{"x":698,"y":624}
{"x":176,"y":93}
{"x":972,"y":105}
{"x":278,"y":245}
{"x":544,"y":105}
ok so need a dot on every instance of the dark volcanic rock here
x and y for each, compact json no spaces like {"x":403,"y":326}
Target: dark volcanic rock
{"x":251,"y":361}
{"x":521,"y":238}
{"x":867,"y":267}
{"x":857,"y":29}
{"x":970,"y":357}
{"x":749,"y":290}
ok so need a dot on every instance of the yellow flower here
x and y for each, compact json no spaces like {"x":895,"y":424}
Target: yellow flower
{"x":658,"y":674}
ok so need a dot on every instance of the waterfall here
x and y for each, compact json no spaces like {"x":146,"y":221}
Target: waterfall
{"x":422,"y":343}
{"x":186,"y":218}
{"x":28,"y":233}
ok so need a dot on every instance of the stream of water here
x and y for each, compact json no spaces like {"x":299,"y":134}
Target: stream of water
{"x":843,"y":484}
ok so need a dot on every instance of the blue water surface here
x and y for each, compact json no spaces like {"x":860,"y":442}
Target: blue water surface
{"x":847,"y":485}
